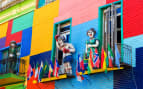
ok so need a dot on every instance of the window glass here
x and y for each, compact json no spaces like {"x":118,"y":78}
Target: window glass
{"x":49,"y":1}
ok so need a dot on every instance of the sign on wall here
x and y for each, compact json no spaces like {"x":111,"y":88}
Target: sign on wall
{"x":16,"y":10}
{"x":4,"y":4}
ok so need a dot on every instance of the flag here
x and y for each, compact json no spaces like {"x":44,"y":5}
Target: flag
{"x":104,"y":60}
{"x":40,"y":72}
{"x":51,"y":67}
{"x":90,"y":62}
{"x":36,"y":71}
{"x":110,"y":56}
{"x":96,"y":60}
{"x":117,"y":56}
{"x":81,"y":63}
{"x":31,"y":72}
{"x":56,"y":68}
{"x":45,"y":68}
{"x":102,"y":57}
{"x":79,"y":77}
{"x":78,"y":66}
{"x":105,"y":63}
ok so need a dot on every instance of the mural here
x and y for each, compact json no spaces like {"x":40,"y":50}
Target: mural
{"x":82,"y":48}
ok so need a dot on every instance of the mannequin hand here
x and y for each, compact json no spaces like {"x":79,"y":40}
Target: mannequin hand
{"x":66,"y":50}
{"x":89,"y":46}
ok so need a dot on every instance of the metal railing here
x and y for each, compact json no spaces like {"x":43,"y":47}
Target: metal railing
{"x":127,"y":54}
{"x":15,"y":66}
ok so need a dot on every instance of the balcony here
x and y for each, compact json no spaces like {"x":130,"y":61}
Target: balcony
{"x":12,"y":71}
{"x":125,"y":61}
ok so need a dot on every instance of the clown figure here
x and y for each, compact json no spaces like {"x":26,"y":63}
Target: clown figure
{"x":67,"y":50}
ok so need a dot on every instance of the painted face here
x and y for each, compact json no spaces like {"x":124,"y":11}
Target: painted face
{"x":90,"y":34}
{"x":61,"y":43}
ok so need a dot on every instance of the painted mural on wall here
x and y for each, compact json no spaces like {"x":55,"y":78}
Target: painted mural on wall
{"x":75,"y":54}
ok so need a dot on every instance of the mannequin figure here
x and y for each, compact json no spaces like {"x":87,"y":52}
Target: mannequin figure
{"x":92,"y":44}
{"x":67,"y":50}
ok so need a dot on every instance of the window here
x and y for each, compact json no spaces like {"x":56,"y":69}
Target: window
{"x":41,"y":3}
{"x":49,"y":1}
{"x":62,"y":29}
{"x":112,"y":27}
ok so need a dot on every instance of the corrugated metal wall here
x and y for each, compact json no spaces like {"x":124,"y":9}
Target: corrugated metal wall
{"x":130,"y":78}
{"x":139,"y":68}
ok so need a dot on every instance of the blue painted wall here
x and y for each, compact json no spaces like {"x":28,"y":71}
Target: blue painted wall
{"x":96,"y":81}
{"x":26,"y":42}
{"x":134,"y":42}
{"x":2,"y":42}
{"x":36,"y":59}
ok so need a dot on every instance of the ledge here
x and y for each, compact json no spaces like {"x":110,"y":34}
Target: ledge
{"x":10,"y":79}
{"x":102,"y":70}
{"x":54,"y":78}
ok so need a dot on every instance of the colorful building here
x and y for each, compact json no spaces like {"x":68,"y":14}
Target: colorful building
{"x":33,"y":25}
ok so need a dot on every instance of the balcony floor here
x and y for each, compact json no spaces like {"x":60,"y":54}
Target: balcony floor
{"x":54,"y":78}
{"x":10,"y":79}
{"x":102,"y":70}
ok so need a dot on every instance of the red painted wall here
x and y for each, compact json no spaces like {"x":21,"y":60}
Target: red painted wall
{"x":132,"y":18}
{"x":80,"y":10}
{"x":110,"y":1}
{"x":12,"y":37}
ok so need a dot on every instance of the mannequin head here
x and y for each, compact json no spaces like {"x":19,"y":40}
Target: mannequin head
{"x":91,"y":33}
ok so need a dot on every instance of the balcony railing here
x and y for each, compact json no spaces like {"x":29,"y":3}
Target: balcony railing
{"x":14,"y":66}
{"x":127,"y":55}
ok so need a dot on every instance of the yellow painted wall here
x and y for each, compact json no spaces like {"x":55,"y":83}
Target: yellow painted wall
{"x":42,"y":31}
{"x":27,"y":59}
{"x":3,"y":29}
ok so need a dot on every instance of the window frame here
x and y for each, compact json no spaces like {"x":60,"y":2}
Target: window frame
{"x":54,"y":34}
{"x":100,"y":19}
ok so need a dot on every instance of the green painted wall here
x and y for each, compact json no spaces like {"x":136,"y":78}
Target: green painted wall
{"x":17,"y":10}
{"x":22,"y":22}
